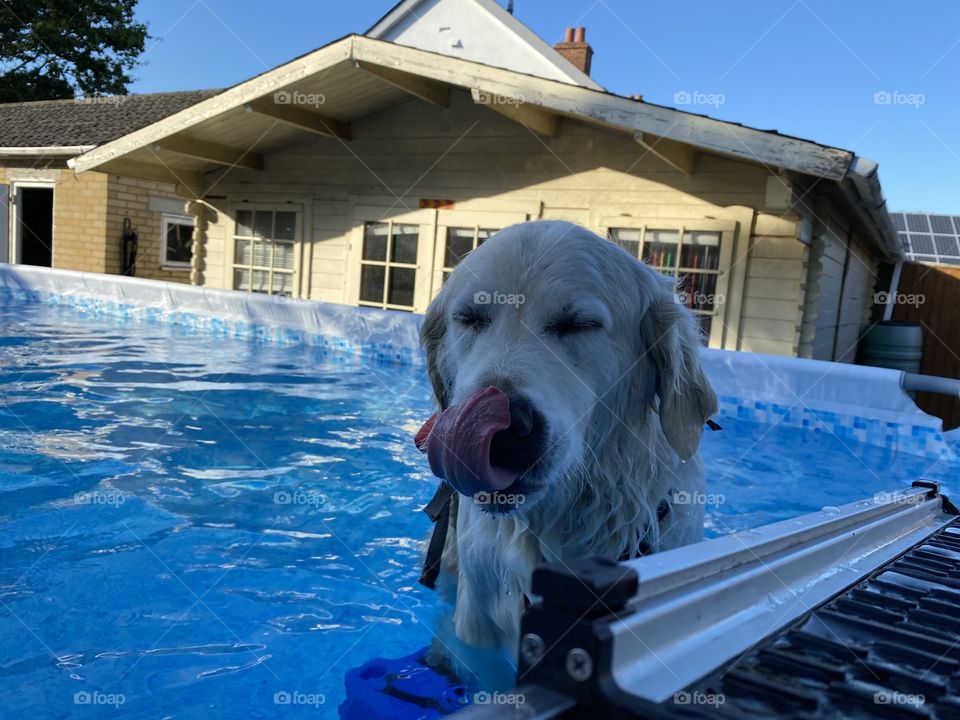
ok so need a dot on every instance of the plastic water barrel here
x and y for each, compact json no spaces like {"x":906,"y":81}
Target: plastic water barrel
{"x":894,"y":345}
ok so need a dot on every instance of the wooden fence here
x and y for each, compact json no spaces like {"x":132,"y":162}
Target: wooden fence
{"x":937,"y":290}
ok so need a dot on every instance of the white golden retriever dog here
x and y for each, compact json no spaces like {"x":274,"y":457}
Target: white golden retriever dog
{"x":572,"y":403}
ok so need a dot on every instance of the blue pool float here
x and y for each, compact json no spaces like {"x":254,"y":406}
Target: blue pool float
{"x":402,"y":689}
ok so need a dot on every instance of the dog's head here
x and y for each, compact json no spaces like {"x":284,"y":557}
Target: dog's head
{"x":546,"y":343}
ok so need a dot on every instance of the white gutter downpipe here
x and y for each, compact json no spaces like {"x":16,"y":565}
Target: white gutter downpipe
{"x":892,"y":292}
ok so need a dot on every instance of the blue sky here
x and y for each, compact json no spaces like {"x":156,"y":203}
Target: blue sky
{"x":879,"y":77}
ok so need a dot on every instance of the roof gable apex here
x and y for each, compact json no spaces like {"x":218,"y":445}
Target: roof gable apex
{"x":477,"y":30}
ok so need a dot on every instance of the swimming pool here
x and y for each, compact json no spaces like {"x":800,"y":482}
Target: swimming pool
{"x":195,"y":523}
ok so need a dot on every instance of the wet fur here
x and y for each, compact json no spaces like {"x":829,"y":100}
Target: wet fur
{"x":633,"y":448}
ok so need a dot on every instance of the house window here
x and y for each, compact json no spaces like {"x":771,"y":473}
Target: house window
{"x":388,"y":264}
{"x":265,"y":251}
{"x":400,"y":261}
{"x":176,"y":241}
{"x":458,"y":242}
{"x":691,"y":255}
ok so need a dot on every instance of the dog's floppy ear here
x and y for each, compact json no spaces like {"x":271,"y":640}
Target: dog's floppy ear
{"x":672,"y":340}
{"x":432,"y":332}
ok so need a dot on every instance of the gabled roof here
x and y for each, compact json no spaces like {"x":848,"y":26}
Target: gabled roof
{"x":477,"y":30}
{"x":324,"y":90}
{"x":86,"y":122}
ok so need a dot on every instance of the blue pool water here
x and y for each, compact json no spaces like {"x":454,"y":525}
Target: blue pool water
{"x":197,"y":524}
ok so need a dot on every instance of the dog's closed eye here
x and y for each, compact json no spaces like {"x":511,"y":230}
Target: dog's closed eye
{"x":569,"y":323}
{"x":473,"y":318}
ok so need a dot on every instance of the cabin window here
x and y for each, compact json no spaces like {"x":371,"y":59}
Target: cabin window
{"x":698,"y":257}
{"x":400,"y":258}
{"x":458,"y":242}
{"x":264,"y":251}
{"x":388,"y":265}
{"x":176,"y":241}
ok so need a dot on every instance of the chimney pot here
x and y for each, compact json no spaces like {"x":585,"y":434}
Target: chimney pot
{"x":576,"y":49}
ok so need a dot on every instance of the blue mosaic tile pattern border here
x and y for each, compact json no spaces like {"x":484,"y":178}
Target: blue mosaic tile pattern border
{"x":370,"y":350}
{"x":353,"y":334}
{"x":904,"y":436}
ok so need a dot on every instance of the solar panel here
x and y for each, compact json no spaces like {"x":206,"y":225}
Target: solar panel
{"x":929,"y":238}
{"x":946,"y":245}
{"x":918,"y":223}
{"x":941,"y":224}
{"x":922,"y":244}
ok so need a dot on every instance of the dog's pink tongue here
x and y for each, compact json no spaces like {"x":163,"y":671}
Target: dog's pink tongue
{"x":458,"y":445}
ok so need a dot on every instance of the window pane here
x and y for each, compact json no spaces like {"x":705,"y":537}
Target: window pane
{"x":261,"y":253}
{"x":179,"y":243}
{"x":263,"y":223}
{"x":260,"y":281}
{"x":241,"y":252}
{"x":701,"y":250}
{"x":483,"y":234}
{"x":705,"y":322}
{"x":371,"y":283}
{"x":627,"y":238}
{"x":245,"y":222}
{"x":282,"y":283}
{"x":375,"y":241}
{"x":241,"y":279}
{"x":283,"y":255}
{"x":402,"y":281}
{"x":405,"y":239}
{"x":660,"y":249}
{"x":459,"y":243}
{"x":286,"y":226}
{"x":698,"y":291}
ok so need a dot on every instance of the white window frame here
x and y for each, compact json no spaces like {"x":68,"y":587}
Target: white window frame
{"x":167,"y":219}
{"x":426,"y":220}
{"x":431,"y":247}
{"x":475,"y":219}
{"x":728,"y":233}
{"x":230,"y":264}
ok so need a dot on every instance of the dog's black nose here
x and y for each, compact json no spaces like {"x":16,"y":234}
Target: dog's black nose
{"x":520,"y":446}
{"x":521,"y":416}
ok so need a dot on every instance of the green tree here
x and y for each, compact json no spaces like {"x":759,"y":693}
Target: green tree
{"x":52,"y":49}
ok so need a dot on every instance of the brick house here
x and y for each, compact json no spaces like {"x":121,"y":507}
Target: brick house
{"x":52,"y":217}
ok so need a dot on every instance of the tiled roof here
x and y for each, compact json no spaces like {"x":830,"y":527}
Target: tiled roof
{"x":51,"y":123}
